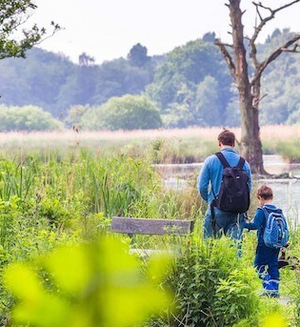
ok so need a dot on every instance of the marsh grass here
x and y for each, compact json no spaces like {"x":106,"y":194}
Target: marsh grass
{"x":63,"y":199}
{"x":167,"y":146}
{"x":212,"y":266}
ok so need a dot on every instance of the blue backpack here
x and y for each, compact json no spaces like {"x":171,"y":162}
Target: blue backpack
{"x":276,"y":234}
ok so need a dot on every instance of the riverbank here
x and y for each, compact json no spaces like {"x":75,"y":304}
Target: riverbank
{"x":284,"y":179}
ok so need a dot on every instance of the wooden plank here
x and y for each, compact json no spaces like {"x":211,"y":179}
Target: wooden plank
{"x":150,"y":226}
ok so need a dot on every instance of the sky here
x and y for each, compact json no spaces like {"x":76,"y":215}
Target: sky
{"x":108,"y":29}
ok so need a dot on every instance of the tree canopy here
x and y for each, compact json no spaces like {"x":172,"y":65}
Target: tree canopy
{"x":127,"y":112}
{"x":28,"y":118}
{"x":13,"y":14}
{"x":190,"y":85}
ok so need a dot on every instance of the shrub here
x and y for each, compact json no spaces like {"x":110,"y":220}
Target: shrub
{"x":28,"y":118}
{"x":212,"y":287}
{"x":128,"y":113}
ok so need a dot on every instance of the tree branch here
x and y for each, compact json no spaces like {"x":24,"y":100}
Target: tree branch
{"x":227,"y":57}
{"x":296,"y":46}
{"x":274,"y":55}
{"x":55,"y":29}
{"x":262,"y":23}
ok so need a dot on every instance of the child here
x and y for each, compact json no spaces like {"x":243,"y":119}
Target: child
{"x":266,"y":258}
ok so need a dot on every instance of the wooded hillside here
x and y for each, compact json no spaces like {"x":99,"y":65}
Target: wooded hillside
{"x":189,"y":86}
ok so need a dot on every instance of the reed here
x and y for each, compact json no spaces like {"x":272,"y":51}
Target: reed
{"x":168,"y":146}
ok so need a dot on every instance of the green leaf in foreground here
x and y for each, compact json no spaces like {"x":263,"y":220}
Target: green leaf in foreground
{"x":96,"y":284}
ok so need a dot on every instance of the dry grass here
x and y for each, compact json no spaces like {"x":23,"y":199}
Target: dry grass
{"x":71,"y":137}
{"x":194,"y":142}
{"x":280,"y":132}
{"x":267,"y":133}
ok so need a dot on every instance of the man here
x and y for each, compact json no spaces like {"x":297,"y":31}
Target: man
{"x":209,"y":183}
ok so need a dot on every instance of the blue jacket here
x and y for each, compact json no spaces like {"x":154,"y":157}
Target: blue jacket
{"x":210,"y":176}
{"x":259,"y":222}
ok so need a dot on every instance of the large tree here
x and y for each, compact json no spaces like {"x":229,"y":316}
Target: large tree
{"x":15,"y":38}
{"x":249,"y":87}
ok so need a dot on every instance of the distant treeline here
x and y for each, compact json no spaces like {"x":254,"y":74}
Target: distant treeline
{"x":189,"y":86}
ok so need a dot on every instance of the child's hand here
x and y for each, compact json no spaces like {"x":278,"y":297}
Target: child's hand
{"x":247,"y":217}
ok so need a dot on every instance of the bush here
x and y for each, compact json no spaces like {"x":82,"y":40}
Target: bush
{"x":212,"y":287}
{"x":128,"y":112}
{"x":28,"y":118}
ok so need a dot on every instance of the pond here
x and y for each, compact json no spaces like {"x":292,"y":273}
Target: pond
{"x":286,"y":191}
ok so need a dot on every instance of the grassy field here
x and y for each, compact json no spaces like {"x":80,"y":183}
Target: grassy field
{"x":168,"y":146}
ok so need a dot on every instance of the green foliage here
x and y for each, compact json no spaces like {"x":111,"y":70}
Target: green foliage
{"x":208,"y":102}
{"x":63,"y":189}
{"x":180,"y":85}
{"x":281,"y":102}
{"x":196,"y":105}
{"x":128,"y":113}
{"x":212,"y":286}
{"x":190,"y":85}
{"x":288,"y":149}
{"x":138,"y":55}
{"x":92,"y":284}
{"x":65,"y":199}
{"x":24,"y":82}
{"x":157,"y":146}
{"x":74,"y":117}
{"x":237,"y":291}
{"x":119,"y":77}
{"x":27,"y":118}
{"x":12,"y":15}
{"x":15,"y":180}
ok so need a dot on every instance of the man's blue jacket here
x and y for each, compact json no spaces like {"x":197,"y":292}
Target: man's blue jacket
{"x":210,"y":177}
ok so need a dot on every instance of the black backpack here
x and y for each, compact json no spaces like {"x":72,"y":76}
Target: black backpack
{"x":234,"y":194}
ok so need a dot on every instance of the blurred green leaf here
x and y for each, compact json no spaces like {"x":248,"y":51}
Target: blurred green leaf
{"x":91,"y":284}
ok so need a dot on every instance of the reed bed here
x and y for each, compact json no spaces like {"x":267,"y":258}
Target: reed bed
{"x":161,"y":146}
{"x":278,"y":132}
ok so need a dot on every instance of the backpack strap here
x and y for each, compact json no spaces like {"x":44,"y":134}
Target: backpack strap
{"x":266,"y":213}
{"x":225,"y":163}
{"x":241,"y":163}
{"x":223,"y":160}
{"x":268,"y":210}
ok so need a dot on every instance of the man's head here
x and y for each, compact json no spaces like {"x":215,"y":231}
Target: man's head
{"x":226,"y":138}
{"x":264,"y":192}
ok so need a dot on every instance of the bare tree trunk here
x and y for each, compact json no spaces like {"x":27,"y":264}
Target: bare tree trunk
{"x":251,"y":147}
{"x":249,"y":90}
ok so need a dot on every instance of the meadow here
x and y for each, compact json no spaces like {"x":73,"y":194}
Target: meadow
{"x":160,"y":146}
{"x":61,"y":265}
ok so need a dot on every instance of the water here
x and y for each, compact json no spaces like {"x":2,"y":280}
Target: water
{"x":286,"y":191}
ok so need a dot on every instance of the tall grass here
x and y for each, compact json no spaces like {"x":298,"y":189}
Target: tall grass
{"x":64,"y":189}
{"x":62,"y":199}
{"x":168,"y":146}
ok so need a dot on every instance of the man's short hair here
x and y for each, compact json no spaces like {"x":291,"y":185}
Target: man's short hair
{"x":265,"y":192}
{"x":227,"y":137}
